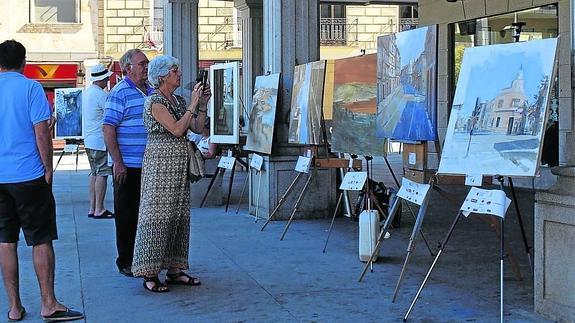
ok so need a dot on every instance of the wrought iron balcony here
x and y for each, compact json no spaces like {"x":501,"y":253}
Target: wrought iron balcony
{"x":408,"y":23}
{"x":338,"y":31}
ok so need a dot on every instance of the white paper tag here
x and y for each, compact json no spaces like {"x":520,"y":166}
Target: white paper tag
{"x":257,"y":162}
{"x":412,"y":191}
{"x":302,"y":165}
{"x":229,"y":153}
{"x":71,"y":148}
{"x":308,"y":153}
{"x":412,"y":158}
{"x":350,"y":165}
{"x":473,"y":179}
{"x":353,"y":181}
{"x":226,"y":162}
{"x":478,"y":200}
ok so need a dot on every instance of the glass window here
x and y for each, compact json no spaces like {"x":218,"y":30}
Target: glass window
{"x":55,"y":11}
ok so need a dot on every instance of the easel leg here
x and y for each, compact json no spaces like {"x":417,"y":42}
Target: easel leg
{"x":333,"y":219}
{"x":59,"y":159}
{"x":258,"y":197}
{"x":411,"y":245}
{"x":243,"y":190}
{"x":281,"y":201}
{"x":230,"y":187}
{"x":216,"y":173}
{"x":408,"y":206}
{"x":520,"y":219}
{"x":501,"y":256}
{"x":432,"y":265}
{"x":296,"y":206}
{"x":77,"y":155}
{"x":384,"y":230}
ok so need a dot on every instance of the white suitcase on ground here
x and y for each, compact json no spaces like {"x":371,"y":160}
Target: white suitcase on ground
{"x":368,"y":233}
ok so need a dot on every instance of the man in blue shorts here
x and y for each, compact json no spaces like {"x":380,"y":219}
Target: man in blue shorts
{"x":26,"y":199}
{"x":125,"y":138}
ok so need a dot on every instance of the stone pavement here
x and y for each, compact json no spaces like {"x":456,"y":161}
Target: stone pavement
{"x":249,"y":275}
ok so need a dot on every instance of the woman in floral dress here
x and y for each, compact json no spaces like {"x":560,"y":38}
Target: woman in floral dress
{"x":163,"y":234}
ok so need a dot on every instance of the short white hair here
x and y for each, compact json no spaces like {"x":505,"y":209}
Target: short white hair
{"x":160,"y":66}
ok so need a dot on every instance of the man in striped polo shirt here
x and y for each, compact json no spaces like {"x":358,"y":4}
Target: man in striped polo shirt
{"x":125,"y":138}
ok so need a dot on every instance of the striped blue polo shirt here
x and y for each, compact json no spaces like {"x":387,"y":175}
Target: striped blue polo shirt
{"x":124,"y":110}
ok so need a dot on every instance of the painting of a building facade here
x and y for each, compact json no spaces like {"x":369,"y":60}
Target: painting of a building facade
{"x":306,"y":104}
{"x":406,"y":85}
{"x":355,"y":106}
{"x":262,"y":114}
{"x":499,"y":110}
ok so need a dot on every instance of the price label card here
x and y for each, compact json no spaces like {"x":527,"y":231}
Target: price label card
{"x":229,"y":153}
{"x":493,"y":202}
{"x":412,"y":191}
{"x":308,"y":153}
{"x":302,"y":165}
{"x":226,"y":162}
{"x":473,"y":179}
{"x":71,"y":148}
{"x":257,"y":162}
{"x":350,"y":165}
{"x":353,"y":181}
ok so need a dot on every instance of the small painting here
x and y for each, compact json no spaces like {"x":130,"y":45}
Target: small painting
{"x":499,"y":110}
{"x":306,"y":104}
{"x":224,"y":105}
{"x":406,"y":85}
{"x":68,"y":108}
{"x":263,"y":113}
{"x":355,"y":106}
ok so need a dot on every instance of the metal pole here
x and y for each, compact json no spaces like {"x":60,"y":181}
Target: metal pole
{"x":520,"y":219}
{"x":259,"y":191}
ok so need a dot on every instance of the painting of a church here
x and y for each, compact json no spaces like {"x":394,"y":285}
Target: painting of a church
{"x":499,"y":109}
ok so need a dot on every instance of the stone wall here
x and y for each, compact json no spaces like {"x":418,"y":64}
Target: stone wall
{"x":124,"y":22}
{"x":372,"y":21}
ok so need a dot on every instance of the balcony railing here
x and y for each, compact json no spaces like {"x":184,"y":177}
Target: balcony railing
{"x":338,"y":31}
{"x":408,"y":23}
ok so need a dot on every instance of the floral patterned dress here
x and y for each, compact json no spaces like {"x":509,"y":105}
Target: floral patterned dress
{"x":163,"y":234}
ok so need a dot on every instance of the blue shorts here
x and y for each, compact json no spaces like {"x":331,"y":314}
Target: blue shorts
{"x":28,"y":205}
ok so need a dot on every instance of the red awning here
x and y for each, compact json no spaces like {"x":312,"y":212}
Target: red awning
{"x":66,"y":73}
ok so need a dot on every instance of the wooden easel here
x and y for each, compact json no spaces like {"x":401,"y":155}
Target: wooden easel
{"x":71,"y":146}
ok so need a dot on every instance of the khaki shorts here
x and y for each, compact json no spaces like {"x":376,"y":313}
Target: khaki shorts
{"x":98,"y":162}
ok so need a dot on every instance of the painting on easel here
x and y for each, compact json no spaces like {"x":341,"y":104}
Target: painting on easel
{"x":263,"y":113}
{"x":406,"y":84}
{"x":500,"y":108}
{"x":355,"y":106}
{"x":305,"y":125}
{"x":224,"y":106}
{"x":68,"y":108}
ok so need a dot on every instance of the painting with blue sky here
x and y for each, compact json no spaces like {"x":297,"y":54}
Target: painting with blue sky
{"x":500,"y":109}
{"x":406,"y":85}
{"x":68,"y":107}
{"x":263,"y":114}
{"x":305,"y":125}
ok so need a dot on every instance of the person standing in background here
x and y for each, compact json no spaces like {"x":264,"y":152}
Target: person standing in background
{"x":94,"y":99}
{"x":26,"y":199}
{"x":125,"y":138}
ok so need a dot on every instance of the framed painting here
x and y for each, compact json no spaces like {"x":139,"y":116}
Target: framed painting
{"x":263,"y":113}
{"x":224,"y":105}
{"x":68,"y":108}
{"x":500,"y":109}
{"x":355,"y":106}
{"x":305,"y":125}
{"x":407,"y":85}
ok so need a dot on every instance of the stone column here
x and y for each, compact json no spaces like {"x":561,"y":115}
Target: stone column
{"x":250,"y":13}
{"x":291,"y":37}
{"x":181,"y":40}
{"x":554,"y":274}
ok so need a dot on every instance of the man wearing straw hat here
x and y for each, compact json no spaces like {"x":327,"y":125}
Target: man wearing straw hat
{"x":94,"y":101}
